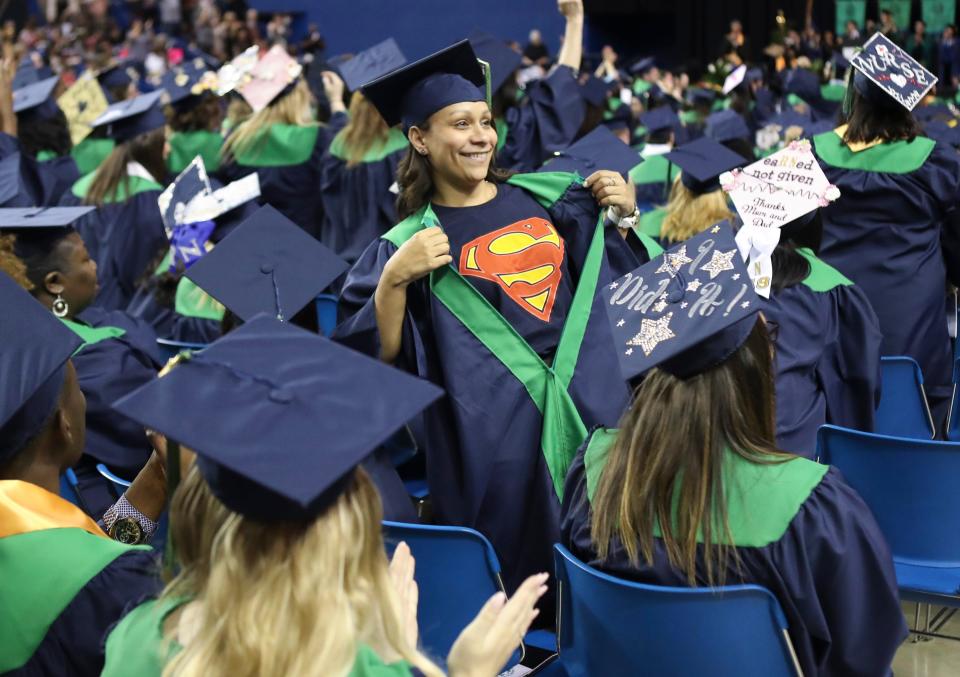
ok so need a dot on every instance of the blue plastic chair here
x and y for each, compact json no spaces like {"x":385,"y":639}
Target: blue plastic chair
{"x":118,"y":483}
{"x":609,"y":626}
{"x":953,"y":417}
{"x":457,"y":572}
{"x":169,"y":348}
{"x":903,"y":410}
{"x":913,"y":489}
{"x":68,"y":488}
{"x":326,"y":313}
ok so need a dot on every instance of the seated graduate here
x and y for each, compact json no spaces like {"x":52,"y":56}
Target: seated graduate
{"x":282,"y":141}
{"x":117,"y":353}
{"x":64,"y":582}
{"x":528,"y":255}
{"x":692,"y":489}
{"x":126,"y":231}
{"x":825,"y":332}
{"x":194,"y":113}
{"x":895,"y":230}
{"x":696,"y":200}
{"x":359,"y":168}
{"x":653,"y":178}
{"x":300,"y":548}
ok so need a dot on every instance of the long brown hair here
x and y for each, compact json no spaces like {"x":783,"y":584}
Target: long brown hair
{"x":365,"y":130}
{"x":206,"y":115}
{"x":665,"y":467}
{"x":868,"y":122}
{"x":416,"y":184}
{"x":147,"y":149}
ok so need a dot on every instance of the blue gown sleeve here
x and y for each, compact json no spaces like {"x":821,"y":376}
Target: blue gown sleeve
{"x":849,"y":370}
{"x":74,"y":644}
{"x":546,"y":121}
{"x":836,"y":569}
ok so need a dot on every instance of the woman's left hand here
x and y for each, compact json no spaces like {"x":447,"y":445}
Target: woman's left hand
{"x":610,"y":190}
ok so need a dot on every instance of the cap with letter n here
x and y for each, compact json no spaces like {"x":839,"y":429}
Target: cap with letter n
{"x":885,"y":73}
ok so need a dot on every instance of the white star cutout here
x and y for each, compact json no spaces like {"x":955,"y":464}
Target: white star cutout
{"x":628,"y":352}
{"x":736,"y":276}
{"x":673,"y":260}
{"x":621,"y":323}
{"x":659,"y":306}
{"x":684,"y":304}
{"x":693,"y":285}
{"x":715,"y":229}
{"x":614,"y":285}
{"x":745,"y":304}
{"x":652,"y":332}
{"x":720,"y":262}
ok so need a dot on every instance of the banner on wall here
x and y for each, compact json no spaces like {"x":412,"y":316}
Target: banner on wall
{"x":900,"y":9}
{"x":938,"y":13}
{"x":850,"y":10}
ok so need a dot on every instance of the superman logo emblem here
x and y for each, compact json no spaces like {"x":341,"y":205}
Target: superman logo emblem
{"x":524,"y":259}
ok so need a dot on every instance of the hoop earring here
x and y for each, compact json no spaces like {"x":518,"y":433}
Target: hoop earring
{"x":60,"y":307}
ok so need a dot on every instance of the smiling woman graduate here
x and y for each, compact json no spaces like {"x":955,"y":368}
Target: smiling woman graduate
{"x":487,"y":287}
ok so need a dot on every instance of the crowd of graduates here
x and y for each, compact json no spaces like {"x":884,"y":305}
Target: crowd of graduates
{"x":547,"y":282}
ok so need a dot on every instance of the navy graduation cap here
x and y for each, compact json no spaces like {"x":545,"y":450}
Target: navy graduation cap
{"x":267,"y":265}
{"x":303,"y":413}
{"x":892,"y":71}
{"x":661,"y":117}
{"x":34,"y":349}
{"x":703,"y":160}
{"x":643,"y":66}
{"x":502,"y":58}
{"x":372,"y":63}
{"x":803,"y":83}
{"x":699,"y":95}
{"x":184,"y":82}
{"x":726,"y":125}
{"x":594,"y":91}
{"x":685,"y":311}
{"x":19,"y":218}
{"x":36,"y":98}
{"x":600,"y":149}
{"x":21,"y":183}
{"x":124,"y":120}
{"x":415,"y":92}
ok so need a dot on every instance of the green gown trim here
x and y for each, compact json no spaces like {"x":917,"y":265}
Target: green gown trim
{"x":395,"y":141}
{"x":650,"y":222}
{"x":889,"y":157}
{"x":91,"y":335}
{"x":90,"y":153}
{"x":823,"y":277}
{"x":184,"y":146}
{"x":653,"y":169}
{"x":125,"y":190}
{"x":190,"y":300}
{"x":280,"y":146}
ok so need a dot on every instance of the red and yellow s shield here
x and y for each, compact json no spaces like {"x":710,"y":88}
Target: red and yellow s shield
{"x":524,"y":258}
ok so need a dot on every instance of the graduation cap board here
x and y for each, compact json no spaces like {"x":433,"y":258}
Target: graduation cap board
{"x":600,"y":149}
{"x":726,"y":125}
{"x":769,"y":194}
{"x":733,"y":80}
{"x":126,"y":119}
{"x":82,"y":103}
{"x":685,"y":311}
{"x":371,"y":64}
{"x":270,"y":76}
{"x":703,"y":160}
{"x":268,"y":264}
{"x":188,"y":80}
{"x":189,"y":205}
{"x":35,"y":95}
{"x":594,"y":91}
{"x":661,"y":117}
{"x":894,"y":71}
{"x":236,"y":71}
{"x":503,"y":59}
{"x":20,"y":218}
{"x":304,"y":412}
{"x":34,"y":349}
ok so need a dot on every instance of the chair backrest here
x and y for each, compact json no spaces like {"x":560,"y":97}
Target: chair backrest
{"x":457,"y":572}
{"x":609,"y":626}
{"x":169,"y":348}
{"x":326,"y":313}
{"x":903,"y":410}
{"x":68,"y":488}
{"x":117,"y":483}
{"x":911,"y":486}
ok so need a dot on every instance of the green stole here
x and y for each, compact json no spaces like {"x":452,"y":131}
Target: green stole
{"x":395,"y":141}
{"x":563,"y":430}
{"x":91,"y":335}
{"x":90,"y":153}
{"x":125,"y":189}
{"x":279,"y":145}
{"x":822,"y":276}
{"x":185,"y":146}
{"x":191,"y":300}
{"x":889,"y":157}
{"x":650,"y":222}
{"x":654,"y":169}
{"x":762,"y":498}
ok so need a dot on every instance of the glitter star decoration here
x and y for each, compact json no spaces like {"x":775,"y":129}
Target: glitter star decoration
{"x":628,"y":352}
{"x":736,"y":276}
{"x":652,"y":333}
{"x":720,"y":262}
{"x":621,"y":323}
{"x":659,"y":306}
{"x":673,"y":260}
{"x":745,"y":304}
{"x":715,"y":230}
{"x":693,"y":285}
{"x":614,"y":285}
{"x":684,"y":304}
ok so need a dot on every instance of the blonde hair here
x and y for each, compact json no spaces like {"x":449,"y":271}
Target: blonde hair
{"x":11,"y":264}
{"x":290,"y":109}
{"x":285,"y":598}
{"x":689,"y":213}
{"x":365,"y":130}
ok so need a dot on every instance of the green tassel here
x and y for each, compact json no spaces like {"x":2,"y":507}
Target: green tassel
{"x":486,"y":76}
{"x":173,"y":480}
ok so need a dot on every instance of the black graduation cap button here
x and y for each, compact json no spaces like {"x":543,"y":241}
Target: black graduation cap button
{"x":266,"y":268}
{"x":281,"y":396}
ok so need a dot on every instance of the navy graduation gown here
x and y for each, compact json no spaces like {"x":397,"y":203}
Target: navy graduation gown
{"x":547,"y":120}
{"x":830,"y":569}
{"x":63,"y":172}
{"x":827,"y":362}
{"x":485,"y":468}
{"x":885,"y":234}
{"x":358,"y":205}
{"x":291,"y":187}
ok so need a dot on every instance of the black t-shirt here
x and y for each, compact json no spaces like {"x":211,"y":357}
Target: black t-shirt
{"x":512,"y":254}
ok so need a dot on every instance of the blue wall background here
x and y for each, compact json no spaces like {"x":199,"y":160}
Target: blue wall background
{"x":422,"y":26}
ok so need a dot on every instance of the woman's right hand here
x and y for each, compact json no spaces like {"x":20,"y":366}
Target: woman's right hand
{"x":486,"y":644}
{"x":423,"y":253}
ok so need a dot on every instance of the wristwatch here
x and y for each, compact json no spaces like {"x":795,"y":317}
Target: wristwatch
{"x":127,"y":530}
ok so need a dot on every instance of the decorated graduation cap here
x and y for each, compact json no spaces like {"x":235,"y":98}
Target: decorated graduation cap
{"x":371,"y":63}
{"x":237,"y":71}
{"x":36,"y":99}
{"x":703,"y":161}
{"x":885,"y":73}
{"x":410,"y":95}
{"x":685,"y":311}
{"x":726,"y":125}
{"x":600,"y":149}
{"x":82,"y":103}
{"x":771,"y":193}
{"x":267,"y":265}
{"x":124,"y":120}
{"x":661,"y":117}
{"x":185,"y":83}
{"x":271,"y":75}
{"x":734,"y":80}
{"x":34,"y":349}
{"x":300,"y":413}
{"x":503,"y":59}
